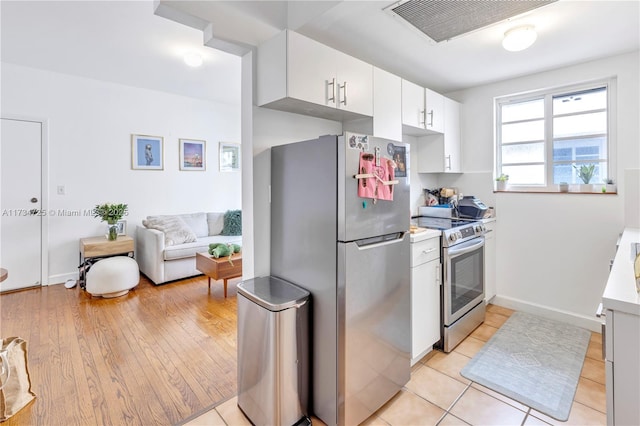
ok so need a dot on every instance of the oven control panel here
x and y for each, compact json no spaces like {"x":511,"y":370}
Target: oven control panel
{"x":462,"y":233}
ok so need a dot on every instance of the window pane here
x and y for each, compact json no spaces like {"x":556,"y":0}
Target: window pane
{"x":580,"y":101}
{"x":525,"y":175}
{"x":579,"y":125}
{"x":521,"y":132}
{"x":523,"y":153}
{"x":580,"y":149}
{"x":523,"y":110}
{"x":563,"y":173}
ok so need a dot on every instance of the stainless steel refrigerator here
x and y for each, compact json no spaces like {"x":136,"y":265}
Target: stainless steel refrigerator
{"x":352,"y":255}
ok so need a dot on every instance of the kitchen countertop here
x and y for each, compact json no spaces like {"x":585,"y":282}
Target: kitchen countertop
{"x":620,"y":293}
{"x":425,"y":235}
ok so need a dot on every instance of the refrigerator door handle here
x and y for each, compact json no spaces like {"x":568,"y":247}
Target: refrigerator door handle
{"x":371,"y":243}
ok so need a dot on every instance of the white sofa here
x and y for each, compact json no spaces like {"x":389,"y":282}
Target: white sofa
{"x":166,"y":250}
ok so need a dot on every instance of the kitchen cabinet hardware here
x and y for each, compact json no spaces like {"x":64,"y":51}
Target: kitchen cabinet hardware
{"x":332,"y":83}
{"x":344,"y":94}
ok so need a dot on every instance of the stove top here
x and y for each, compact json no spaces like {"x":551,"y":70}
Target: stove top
{"x":454,"y":231}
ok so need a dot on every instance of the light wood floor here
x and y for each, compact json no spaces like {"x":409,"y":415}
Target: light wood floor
{"x":157,"y":356}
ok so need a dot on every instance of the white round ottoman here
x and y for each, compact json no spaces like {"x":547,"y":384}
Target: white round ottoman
{"x":113,"y":276}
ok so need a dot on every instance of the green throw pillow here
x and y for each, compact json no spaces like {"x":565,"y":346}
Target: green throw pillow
{"x":232,"y":223}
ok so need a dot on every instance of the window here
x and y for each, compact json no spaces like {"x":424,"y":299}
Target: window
{"x":542,"y":138}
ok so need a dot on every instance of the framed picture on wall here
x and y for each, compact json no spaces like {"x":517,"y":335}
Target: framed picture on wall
{"x":147,"y":152}
{"x":229,"y":157}
{"x":192,"y":154}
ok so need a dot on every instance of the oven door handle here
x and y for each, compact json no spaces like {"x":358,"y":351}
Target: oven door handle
{"x":465,"y":247}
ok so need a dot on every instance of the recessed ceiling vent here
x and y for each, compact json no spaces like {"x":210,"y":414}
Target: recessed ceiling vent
{"x":443,"y":20}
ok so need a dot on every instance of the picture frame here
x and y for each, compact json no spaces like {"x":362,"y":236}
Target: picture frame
{"x":229,"y":157}
{"x":192,"y":154}
{"x":400,"y":158}
{"x":122,"y":227}
{"x":147,"y":152}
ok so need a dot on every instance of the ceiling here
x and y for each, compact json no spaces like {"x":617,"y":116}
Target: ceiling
{"x":116,"y":41}
{"x":140,"y":43}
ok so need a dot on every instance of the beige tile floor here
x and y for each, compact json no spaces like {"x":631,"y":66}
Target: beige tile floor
{"x":438,"y":395}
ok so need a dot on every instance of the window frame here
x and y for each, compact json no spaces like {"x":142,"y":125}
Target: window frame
{"x":547,"y":95}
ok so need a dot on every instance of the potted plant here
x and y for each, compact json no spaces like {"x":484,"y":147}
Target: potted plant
{"x":110,"y":213}
{"x":609,"y":185}
{"x":501,"y":182}
{"x":585,"y":173}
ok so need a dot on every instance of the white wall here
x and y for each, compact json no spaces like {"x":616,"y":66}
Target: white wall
{"x":553,"y":250}
{"x":273,"y":128}
{"x":90,"y":127}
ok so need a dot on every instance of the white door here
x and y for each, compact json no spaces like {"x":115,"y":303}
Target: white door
{"x":20,"y":202}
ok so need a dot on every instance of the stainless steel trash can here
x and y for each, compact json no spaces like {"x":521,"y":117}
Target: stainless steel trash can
{"x":273,"y":351}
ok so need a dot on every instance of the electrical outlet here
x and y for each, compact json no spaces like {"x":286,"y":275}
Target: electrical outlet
{"x":60,"y":189}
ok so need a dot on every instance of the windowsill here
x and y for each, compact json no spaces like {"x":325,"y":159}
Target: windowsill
{"x":528,"y":191}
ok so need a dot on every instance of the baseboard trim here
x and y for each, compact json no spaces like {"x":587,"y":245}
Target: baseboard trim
{"x":62,"y":278}
{"x":572,"y":318}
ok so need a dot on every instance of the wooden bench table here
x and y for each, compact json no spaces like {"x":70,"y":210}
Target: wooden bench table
{"x":220,"y":268}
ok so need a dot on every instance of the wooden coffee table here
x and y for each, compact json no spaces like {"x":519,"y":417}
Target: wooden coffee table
{"x":220,"y":268}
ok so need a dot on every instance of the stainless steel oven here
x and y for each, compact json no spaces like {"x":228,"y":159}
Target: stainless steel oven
{"x":462,"y":291}
{"x":463,"y":306}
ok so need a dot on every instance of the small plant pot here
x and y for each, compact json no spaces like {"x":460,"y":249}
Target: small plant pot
{"x":610,"y":187}
{"x":586,"y":187}
{"x":563,"y":187}
{"x":501,"y":185}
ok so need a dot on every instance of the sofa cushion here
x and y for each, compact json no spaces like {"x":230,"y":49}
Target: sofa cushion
{"x":232,"y":223}
{"x":201,"y":245}
{"x":175,"y":229}
{"x":215,"y":221}
{"x":197,"y":222}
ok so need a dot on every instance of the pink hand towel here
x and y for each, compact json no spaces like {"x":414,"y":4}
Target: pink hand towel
{"x":386,"y":173}
{"x":366,"y":186}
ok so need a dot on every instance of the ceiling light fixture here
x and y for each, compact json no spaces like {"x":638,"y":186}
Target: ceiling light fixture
{"x":519,"y":38}
{"x":192,"y":59}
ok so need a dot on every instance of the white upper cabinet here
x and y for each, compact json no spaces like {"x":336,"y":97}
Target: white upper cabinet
{"x":441,"y":153}
{"x":422,"y":110}
{"x":434,"y":111}
{"x":387,"y":108}
{"x":412,"y":107}
{"x":298,"y":74}
{"x":310,"y":72}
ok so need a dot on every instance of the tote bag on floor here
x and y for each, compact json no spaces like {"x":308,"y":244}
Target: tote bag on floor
{"x":15,"y":382}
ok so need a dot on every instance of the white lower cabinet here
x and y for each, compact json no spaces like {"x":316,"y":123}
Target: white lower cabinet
{"x":425,"y":297}
{"x":621,"y":337}
{"x":622,"y":368}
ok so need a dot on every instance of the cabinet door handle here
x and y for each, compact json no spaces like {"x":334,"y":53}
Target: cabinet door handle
{"x":448,"y":167}
{"x":344,"y":94}
{"x":431,"y":121}
{"x":423,"y":117}
{"x":332,"y":83}
{"x":438,"y":281}
{"x":428,"y":251}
